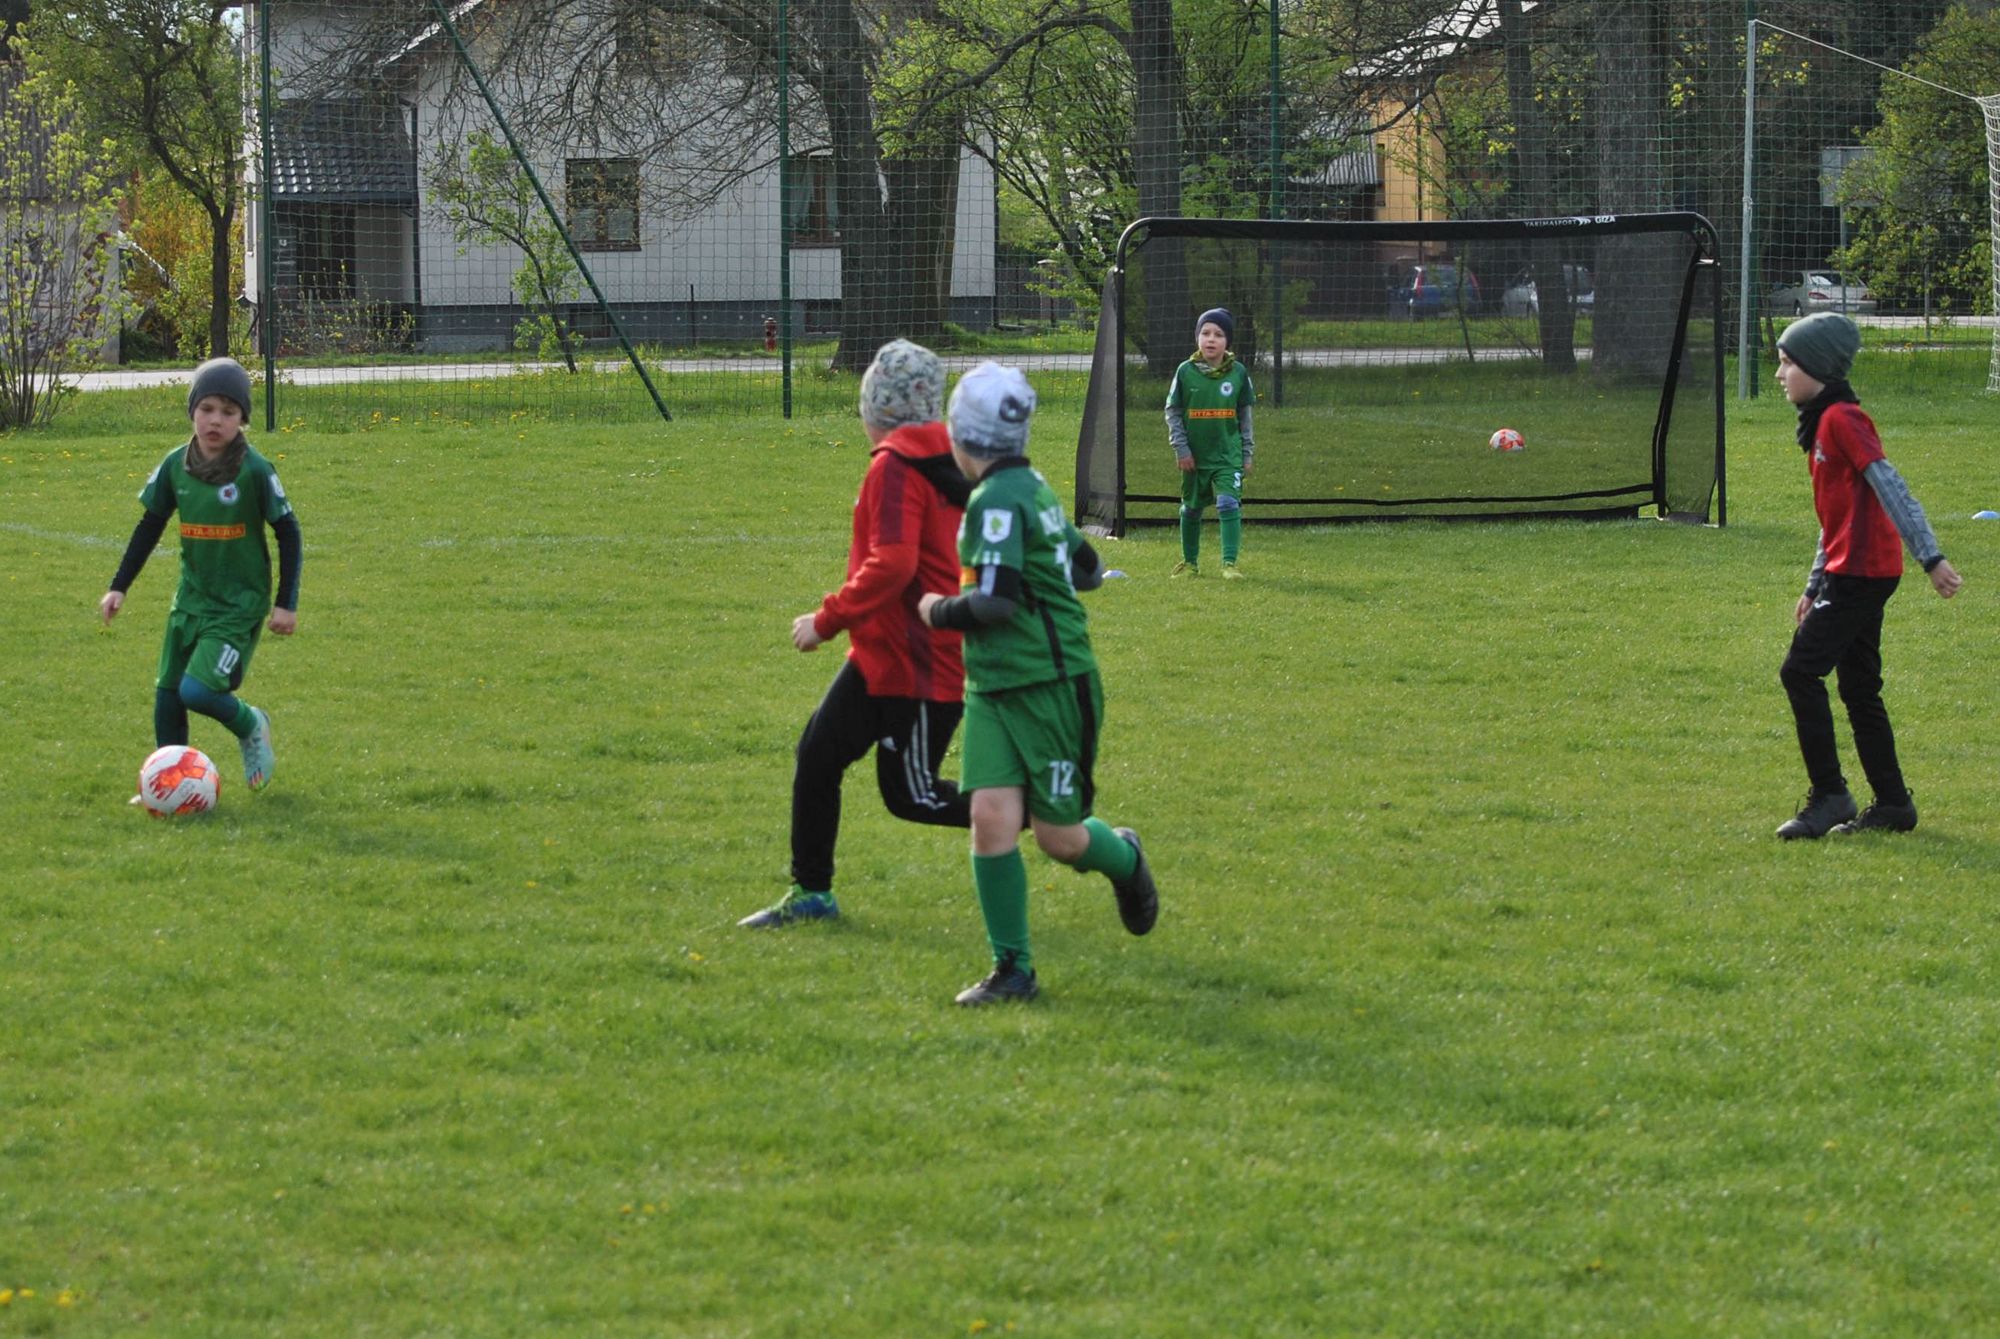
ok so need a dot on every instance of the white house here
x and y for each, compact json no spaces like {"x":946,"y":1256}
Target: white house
{"x":361,"y":238}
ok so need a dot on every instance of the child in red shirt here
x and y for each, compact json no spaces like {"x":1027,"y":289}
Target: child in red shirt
{"x":1866,"y":516}
{"x":901,"y":690}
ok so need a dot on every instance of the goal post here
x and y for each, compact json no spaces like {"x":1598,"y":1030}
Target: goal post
{"x":1402,"y":348}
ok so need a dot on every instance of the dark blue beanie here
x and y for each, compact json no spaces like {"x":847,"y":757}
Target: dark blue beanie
{"x":220,"y":376}
{"x":1221,"y":317}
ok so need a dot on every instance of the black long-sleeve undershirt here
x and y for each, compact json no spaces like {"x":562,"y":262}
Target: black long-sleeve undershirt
{"x":983,"y":607}
{"x":145,"y":538}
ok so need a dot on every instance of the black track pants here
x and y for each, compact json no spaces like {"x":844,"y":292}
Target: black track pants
{"x":1842,"y":635}
{"x":909,"y":738}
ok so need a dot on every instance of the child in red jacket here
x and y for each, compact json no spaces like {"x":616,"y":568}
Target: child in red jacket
{"x":1866,"y":516}
{"x":901,"y":690}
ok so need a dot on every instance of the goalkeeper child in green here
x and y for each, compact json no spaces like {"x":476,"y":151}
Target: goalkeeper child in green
{"x":1208,"y":425}
{"x":226,"y":494}
{"x":1033,"y":701}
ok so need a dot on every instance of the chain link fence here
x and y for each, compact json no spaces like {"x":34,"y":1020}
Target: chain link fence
{"x":647,"y":207}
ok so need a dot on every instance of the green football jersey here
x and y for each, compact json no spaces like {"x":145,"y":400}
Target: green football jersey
{"x":1208,"y":399}
{"x":1013,"y":520}
{"x":225,"y":564}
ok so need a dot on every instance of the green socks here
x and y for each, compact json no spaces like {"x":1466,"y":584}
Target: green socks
{"x":1108,"y":853}
{"x":243,"y":722}
{"x":1231,"y":522}
{"x":1002,"y":881}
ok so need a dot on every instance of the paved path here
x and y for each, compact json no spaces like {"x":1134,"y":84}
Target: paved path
{"x":1064,"y":362}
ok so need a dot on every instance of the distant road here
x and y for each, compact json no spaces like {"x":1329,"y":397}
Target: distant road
{"x":1060,"y":362}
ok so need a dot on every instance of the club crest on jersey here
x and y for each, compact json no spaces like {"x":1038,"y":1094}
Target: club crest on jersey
{"x":1228,"y":389}
{"x":996,"y":526}
{"x":227,"y":494}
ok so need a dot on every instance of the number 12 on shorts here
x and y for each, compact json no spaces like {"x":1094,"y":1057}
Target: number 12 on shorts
{"x":1062,"y":778}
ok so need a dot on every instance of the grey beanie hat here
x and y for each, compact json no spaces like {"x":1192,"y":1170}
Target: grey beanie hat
{"x":904,"y":385}
{"x":989,"y":412}
{"x":1219,"y":316}
{"x":1823,"y":345}
{"x":220,"y":376}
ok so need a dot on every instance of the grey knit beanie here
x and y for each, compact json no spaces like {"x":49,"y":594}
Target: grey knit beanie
{"x":1823,"y":345}
{"x":1221,"y":317}
{"x":989,"y":412}
{"x":220,"y":376}
{"x":904,"y":385}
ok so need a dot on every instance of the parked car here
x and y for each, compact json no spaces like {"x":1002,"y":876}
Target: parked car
{"x":1431,"y":290}
{"x":1520,"y":299}
{"x":1822,"y":291}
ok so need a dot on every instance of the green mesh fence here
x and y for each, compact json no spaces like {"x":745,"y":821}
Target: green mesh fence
{"x":528,"y":203}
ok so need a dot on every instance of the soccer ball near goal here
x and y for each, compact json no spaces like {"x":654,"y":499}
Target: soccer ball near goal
{"x":178,"y":780}
{"x":1506,"y":440}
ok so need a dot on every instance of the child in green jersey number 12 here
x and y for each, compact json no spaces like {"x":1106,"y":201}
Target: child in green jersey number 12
{"x":1208,"y":425}
{"x":1033,"y":701}
{"x":226,"y":494}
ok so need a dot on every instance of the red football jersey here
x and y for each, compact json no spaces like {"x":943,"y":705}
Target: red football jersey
{"x":905,"y":543}
{"x":1859,"y":538}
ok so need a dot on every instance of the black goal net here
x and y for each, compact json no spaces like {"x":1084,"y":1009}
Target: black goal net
{"x":1511,"y":368}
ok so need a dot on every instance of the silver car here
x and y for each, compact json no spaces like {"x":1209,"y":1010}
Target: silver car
{"x":1822,"y":291}
{"x":1522,"y":299}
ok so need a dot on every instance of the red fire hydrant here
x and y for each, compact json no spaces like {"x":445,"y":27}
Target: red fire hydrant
{"x":770,"y":334}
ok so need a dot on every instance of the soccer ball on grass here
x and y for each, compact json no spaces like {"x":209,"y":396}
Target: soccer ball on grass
{"x":178,"y":780}
{"x":1506,"y":440}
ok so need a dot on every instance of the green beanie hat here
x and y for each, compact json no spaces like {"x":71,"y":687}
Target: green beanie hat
{"x":1823,"y":345}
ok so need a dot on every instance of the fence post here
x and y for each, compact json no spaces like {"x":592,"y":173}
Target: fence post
{"x":1277,"y":320}
{"x":1746,"y":323}
{"x":785,"y":203}
{"x":267,"y":236}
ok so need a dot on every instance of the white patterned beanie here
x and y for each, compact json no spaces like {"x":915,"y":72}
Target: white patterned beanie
{"x":904,"y":385}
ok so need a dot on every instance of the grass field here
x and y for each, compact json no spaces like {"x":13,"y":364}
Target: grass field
{"x":1483,"y":1000}
{"x":1364,"y":442}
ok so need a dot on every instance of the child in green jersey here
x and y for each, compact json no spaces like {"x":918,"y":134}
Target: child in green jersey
{"x":226,"y":494}
{"x":1033,"y":701}
{"x":1208,"y":425}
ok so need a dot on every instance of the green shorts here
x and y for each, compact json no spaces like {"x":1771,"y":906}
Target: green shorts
{"x":216,"y":654}
{"x":1202,"y":485}
{"x":1042,"y":738}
